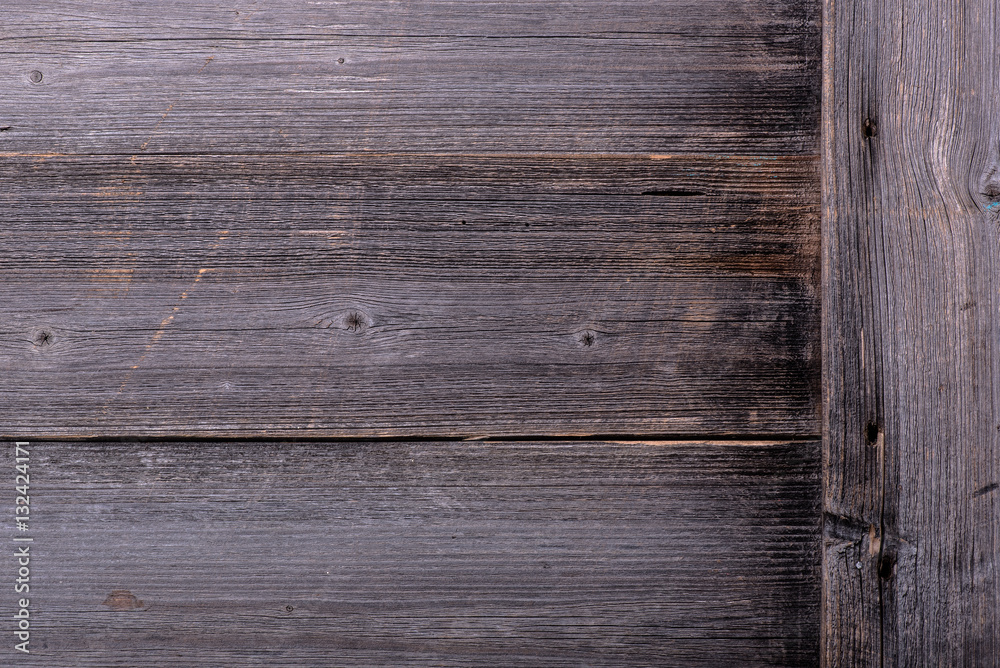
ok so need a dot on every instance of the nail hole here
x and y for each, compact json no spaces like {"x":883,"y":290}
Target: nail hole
{"x":885,"y":566}
{"x":288,"y":608}
{"x":340,"y":60}
{"x":35,"y":76}
{"x":869,"y":128}
{"x":871,"y":433}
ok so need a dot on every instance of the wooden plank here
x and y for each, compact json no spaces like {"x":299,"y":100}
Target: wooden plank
{"x":774,"y":22}
{"x":398,"y":295}
{"x":911,"y":313}
{"x":426,"y":553}
{"x":191,"y":77}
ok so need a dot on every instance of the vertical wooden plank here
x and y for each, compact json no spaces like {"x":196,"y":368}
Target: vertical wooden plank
{"x":911,"y":208}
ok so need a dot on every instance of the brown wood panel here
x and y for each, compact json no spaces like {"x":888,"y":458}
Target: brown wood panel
{"x":417,"y":76}
{"x":400,"y":295}
{"x":426,"y":553}
{"x":912,"y":419}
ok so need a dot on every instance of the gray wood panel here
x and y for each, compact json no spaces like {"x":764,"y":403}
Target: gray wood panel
{"x":426,"y":553}
{"x":771,"y":22}
{"x":401,"y":295}
{"x":429,"y":76}
{"x":912,"y":417}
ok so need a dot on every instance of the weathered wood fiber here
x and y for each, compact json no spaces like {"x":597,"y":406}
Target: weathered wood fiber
{"x":401,"y":295}
{"x":401,"y":219}
{"x":444,"y":554}
{"x":169,"y":77}
{"x":772,"y":22}
{"x":431,"y":218}
{"x":911,"y":311}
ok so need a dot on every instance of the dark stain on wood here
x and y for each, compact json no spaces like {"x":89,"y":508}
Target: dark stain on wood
{"x":986,"y":489}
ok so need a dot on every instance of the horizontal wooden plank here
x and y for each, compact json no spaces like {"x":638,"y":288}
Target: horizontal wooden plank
{"x":407,"y":295}
{"x":428,"y":553}
{"x":778,"y":20}
{"x":481,"y":79}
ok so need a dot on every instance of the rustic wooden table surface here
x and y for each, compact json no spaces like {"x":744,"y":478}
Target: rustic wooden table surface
{"x":426,"y":333}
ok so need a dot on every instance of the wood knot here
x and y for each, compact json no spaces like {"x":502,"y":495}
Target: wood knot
{"x":587,"y":338}
{"x":869,"y":128}
{"x":122,"y":600}
{"x":42,"y":338}
{"x":356,"y":322}
{"x":992,"y":193}
{"x":35,"y":77}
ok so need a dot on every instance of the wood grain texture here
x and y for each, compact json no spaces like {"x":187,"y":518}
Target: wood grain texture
{"x":911,"y":313}
{"x":768,"y":21}
{"x":428,"y":553}
{"x":404,"y":295}
{"x":191,"y":77}
{"x":429,"y":218}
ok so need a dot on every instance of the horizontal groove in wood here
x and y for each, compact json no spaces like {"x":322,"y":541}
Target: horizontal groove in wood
{"x":396,"y":296}
{"x":556,"y":554}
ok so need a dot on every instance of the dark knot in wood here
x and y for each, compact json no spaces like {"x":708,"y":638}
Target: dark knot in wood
{"x":43,"y":338}
{"x":869,"y":128}
{"x":356,"y":321}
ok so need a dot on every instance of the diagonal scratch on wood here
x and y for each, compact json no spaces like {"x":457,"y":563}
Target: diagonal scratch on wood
{"x":166,"y":113}
{"x":157,"y":126}
{"x":157,"y":335}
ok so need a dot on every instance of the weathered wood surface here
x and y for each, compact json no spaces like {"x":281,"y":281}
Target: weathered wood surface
{"x":400,"y":295}
{"x":428,"y":553}
{"x":911,"y":262}
{"x":169,"y":77}
{"x":428,"y":219}
{"x":489,"y":219}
